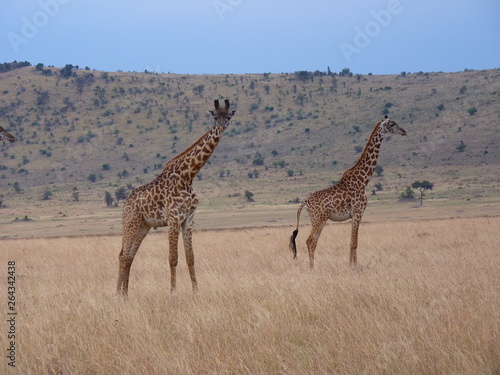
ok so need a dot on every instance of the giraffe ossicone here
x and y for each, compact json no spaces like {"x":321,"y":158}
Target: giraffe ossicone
{"x":347,"y":199}
{"x":169,"y":201}
{"x":6,"y":136}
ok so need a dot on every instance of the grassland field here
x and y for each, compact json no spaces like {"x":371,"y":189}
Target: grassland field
{"x":424,"y":299}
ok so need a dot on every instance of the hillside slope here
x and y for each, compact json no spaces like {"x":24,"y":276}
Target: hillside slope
{"x":92,"y":132}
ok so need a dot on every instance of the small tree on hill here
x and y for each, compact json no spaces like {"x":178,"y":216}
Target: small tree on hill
{"x":198,"y":90}
{"x":407,"y":194}
{"x":249,"y":196}
{"x":108,"y":198}
{"x":379,"y":170}
{"x":422,"y":186}
{"x":67,"y":71}
{"x":121,"y":194}
{"x":472,"y":111}
{"x":17,"y":187}
{"x":258,"y":159}
{"x":461,"y":146}
{"x":47,"y":194}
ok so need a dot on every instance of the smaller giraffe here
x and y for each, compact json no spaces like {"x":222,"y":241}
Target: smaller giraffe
{"x":347,"y":199}
{"x":5,"y":136}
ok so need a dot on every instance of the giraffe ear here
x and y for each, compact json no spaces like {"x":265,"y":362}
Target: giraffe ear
{"x":216,"y":104}
{"x":212,"y":113}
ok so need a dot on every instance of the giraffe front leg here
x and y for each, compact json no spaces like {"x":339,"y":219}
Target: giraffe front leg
{"x":354,"y":240}
{"x":173,"y":241}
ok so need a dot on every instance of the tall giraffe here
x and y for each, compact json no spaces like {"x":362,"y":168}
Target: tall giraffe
{"x":347,"y":199}
{"x":169,"y":201}
{"x":5,"y":136}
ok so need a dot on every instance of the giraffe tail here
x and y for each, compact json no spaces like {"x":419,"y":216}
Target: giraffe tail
{"x":293,"y":245}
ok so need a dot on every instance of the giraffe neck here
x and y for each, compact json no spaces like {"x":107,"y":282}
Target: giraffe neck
{"x":363,"y":170}
{"x":188,"y":163}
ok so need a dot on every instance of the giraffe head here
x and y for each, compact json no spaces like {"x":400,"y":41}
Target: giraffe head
{"x":222,"y":115}
{"x":4,"y":136}
{"x":389,"y":126}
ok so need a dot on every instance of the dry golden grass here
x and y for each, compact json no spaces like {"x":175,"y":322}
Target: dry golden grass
{"x":424,"y":300}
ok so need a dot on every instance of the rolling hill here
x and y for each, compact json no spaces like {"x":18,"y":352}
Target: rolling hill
{"x":81,"y":133}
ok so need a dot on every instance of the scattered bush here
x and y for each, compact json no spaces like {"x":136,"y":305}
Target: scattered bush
{"x":249,"y":196}
{"x":121,"y":194}
{"x":407,"y":194}
{"x":47,"y":194}
{"x":258,"y":159}
{"x":472,"y":111}
{"x":108,"y":198}
{"x":461,"y":146}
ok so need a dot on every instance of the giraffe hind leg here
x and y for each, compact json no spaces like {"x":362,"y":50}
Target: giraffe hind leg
{"x":120,"y":288}
{"x":312,"y":240}
{"x":173,"y":242}
{"x":129,"y":248}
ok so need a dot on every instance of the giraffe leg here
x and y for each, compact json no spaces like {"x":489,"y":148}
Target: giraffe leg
{"x":173,"y":242}
{"x":130,"y":245}
{"x":312,"y":240}
{"x":187,"y":234}
{"x":123,"y":268}
{"x":354,"y":240}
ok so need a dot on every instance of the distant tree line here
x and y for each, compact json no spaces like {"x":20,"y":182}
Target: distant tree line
{"x":304,"y":75}
{"x":6,"y":67}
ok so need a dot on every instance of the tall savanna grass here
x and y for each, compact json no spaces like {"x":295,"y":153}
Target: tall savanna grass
{"x":425,"y":299}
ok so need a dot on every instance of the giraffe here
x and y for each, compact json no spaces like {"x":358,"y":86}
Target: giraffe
{"x":347,"y":199}
{"x":169,"y":201}
{"x":4,"y":136}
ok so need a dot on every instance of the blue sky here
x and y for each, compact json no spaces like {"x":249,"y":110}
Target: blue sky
{"x":253,"y":36}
